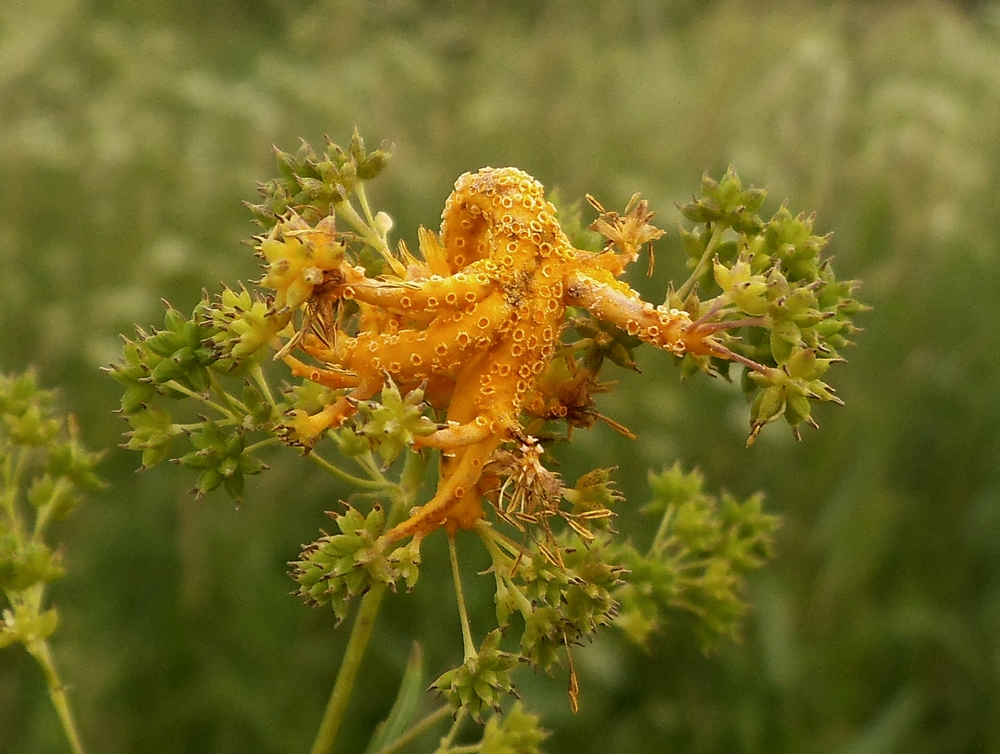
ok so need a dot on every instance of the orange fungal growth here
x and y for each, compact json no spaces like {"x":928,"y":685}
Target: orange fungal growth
{"x":477,"y":320}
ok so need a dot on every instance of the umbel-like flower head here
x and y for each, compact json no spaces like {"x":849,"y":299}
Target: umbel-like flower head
{"x":300,"y":258}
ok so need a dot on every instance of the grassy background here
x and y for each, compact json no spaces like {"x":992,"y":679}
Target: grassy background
{"x":130,"y":133}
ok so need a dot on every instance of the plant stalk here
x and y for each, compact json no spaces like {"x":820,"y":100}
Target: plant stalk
{"x":364,"y":624}
{"x":39,"y":649}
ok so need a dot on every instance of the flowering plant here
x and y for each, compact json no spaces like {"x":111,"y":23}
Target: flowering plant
{"x":478,"y":352}
{"x":44,"y":473}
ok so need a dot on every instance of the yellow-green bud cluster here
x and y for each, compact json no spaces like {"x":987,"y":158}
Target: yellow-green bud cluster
{"x":181,"y":353}
{"x":46,"y":473}
{"x":700,"y":555}
{"x":393,"y":422}
{"x":315,"y":184}
{"x":299,"y":258}
{"x":776,"y":300}
{"x":245,"y":324}
{"x":338,"y":567}
{"x":482,"y":681}
{"x":567,"y":602}
{"x":222,"y":458}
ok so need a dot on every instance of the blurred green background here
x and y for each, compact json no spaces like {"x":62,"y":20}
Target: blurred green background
{"x":131,"y":132}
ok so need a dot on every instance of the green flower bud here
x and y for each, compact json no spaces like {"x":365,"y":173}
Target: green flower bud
{"x":481,"y":681}
{"x":767,"y":406}
{"x":59,"y":496}
{"x":516,"y":732}
{"x":405,"y":562}
{"x":373,"y":164}
{"x":32,"y":428}
{"x":18,"y":393}
{"x":394,"y":422}
{"x":153,"y":432}
{"x":785,"y":338}
{"x":244,"y":325}
{"x":594,"y":491}
{"x":336,"y":568}
{"x":726,"y":202}
{"x":23,"y":567}
{"x":260,"y":413}
{"x":71,"y":461}
{"x":26,"y":624}
{"x":221,"y":458}
{"x":544,"y":638}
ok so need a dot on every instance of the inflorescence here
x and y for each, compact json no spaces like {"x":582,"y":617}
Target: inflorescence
{"x":487,"y":345}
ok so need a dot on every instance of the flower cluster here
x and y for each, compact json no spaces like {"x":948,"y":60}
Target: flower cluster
{"x":701,"y":552}
{"x":777,"y":302}
{"x":44,"y":473}
{"x":481,"y":350}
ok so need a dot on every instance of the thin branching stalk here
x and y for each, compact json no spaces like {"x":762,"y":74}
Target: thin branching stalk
{"x":417,"y":729}
{"x":445,"y":745}
{"x":684,"y":290}
{"x":470,"y":646}
{"x":361,"y":633}
{"x":403,"y":497}
{"x":39,"y":649}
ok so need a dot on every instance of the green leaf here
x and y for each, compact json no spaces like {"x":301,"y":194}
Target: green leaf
{"x":411,"y":690}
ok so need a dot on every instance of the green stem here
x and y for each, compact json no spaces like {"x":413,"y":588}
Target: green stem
{"x":12,"y":470}
{"x":367,"y":462}
{"x":258,"y":376}
{"x":265,"y":443}
{"x":345,"y":476}
{"x":661,"y":531}
{"x":367,"y":233}
{"x":416,"y":730}
{"x":175,"y":385}
{"x":364,"y":230}
{"x":39,"y":649}
{"x":489,"y":534}
{"x":470,"y":646}
{"x":501,"y":562}
{"x":445,"y":744}
{"x":685,"y":289}
{"x":410,"y":480}
{"x":44,"y":511}
{"x":364,"y":624}
{"x":523,"y":603}
{"x":235,"y":406}
{"x":359,"y":189}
